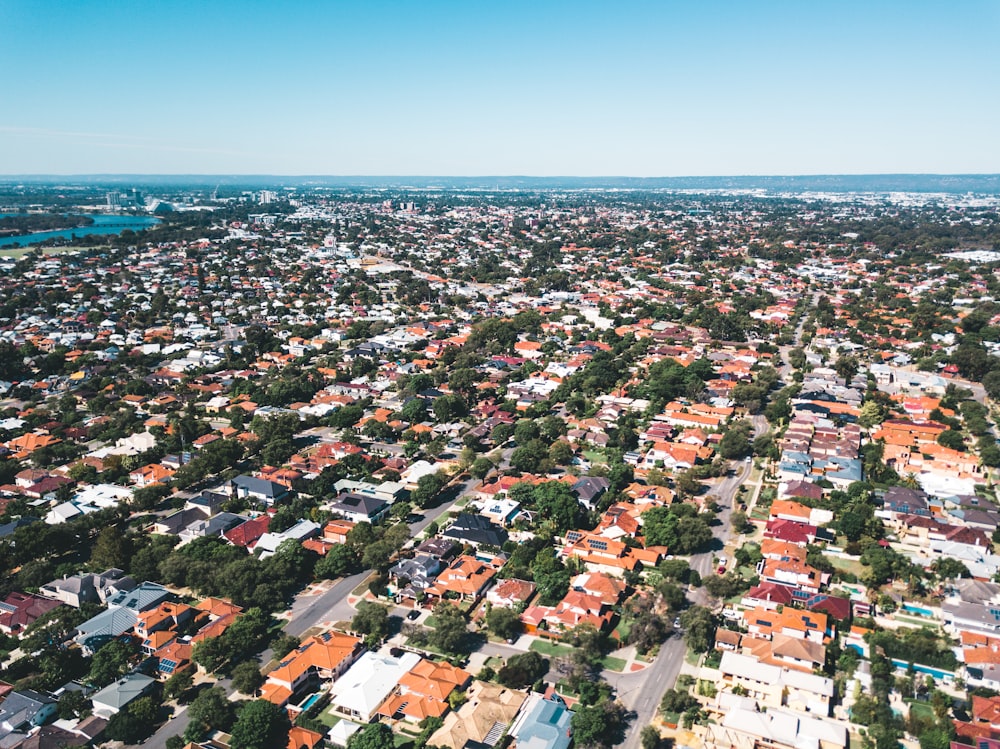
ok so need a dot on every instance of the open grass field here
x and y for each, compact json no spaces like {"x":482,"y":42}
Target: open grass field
{"x":19,"y":252}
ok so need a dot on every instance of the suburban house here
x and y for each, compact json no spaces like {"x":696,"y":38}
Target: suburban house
{"x":258,"y":490}
{"x":88,"y":587}
{"x":119,"y":694}
{"x":359,"y":508}
{"x":322,"y":657}
{"x":482,"y":719}
{"x":476,"y":531}
{"x":543,"y":723}
{"x":360,"y":692}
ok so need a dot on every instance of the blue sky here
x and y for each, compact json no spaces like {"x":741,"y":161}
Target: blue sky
{"x":498,"y":88}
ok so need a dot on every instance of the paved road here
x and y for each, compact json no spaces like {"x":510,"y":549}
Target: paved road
{"x":642,"y":691}
{"x":785,"y":368}
{"x":332,"y":606}
{"x":178,"y":724}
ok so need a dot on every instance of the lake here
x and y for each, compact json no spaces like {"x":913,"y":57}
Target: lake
{"x":103,"y":224}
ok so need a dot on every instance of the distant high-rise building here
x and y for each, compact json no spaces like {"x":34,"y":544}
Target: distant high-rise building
{"x":267,"y":196}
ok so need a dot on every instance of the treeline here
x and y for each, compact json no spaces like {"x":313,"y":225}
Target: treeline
{"x":26,"y":223}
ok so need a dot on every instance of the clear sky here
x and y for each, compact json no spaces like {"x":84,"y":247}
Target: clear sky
{"x":473,"y":87}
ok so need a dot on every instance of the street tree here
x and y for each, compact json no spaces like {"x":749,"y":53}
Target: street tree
{"x":260,"y":725}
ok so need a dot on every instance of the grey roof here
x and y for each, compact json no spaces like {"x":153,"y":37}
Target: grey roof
{"x":118,"y":694}
{"x":903,"y":499}
{"x":476,"y":529}
{"x":215,"y":525}
{"x":260,"y":486}
{"x":178,"y":521}
{"x":22,"y":706}
{"x":544,"y":725}
{"x":976,"y":591}
{"x":420,"y":571}
{"x":591,"y":487}
{"x":436,"y":547}
{"x":358,"y":503}
{"x":144,"y":597}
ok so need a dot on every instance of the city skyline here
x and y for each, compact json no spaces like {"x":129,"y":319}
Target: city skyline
{"x":545,"y":89}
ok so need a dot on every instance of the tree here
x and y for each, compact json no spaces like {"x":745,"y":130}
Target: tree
{"x":556,"y":503}
{"x":677,"y":701}
{"x":135,"y":723}
{"x":110,"y":662}
{"x":948,"y":568}
{"x":526,"y":430}
{"x":112,"y":548}
{"x":428,"y":487}
{"x":72,"y":704}
{"x":740,"y":522}
{"x":530,"y":456}
{"x":724,"y":586}
{"x":699,"y":628}
{"x":560,"y":452}
{"x":450,"y":633}
{"x":260,"y":725}
{"x":649,"y":737}
{"x":951,"y":439}
{"x":846,"y":367}
{"x":372,"y":736}
{"x":735,"y":443}
{"x":178,"y":684}
{"x":340,"y":560}
{"x":283,"y":645}
{"x":872,"y":413}
{"x":247,"y":678}
{"x":504,"y":622}
{"x":481,"y":467}
{"x":372,"y":620}
{"x":414,"y":411}
{"x":599,"y":725}
{"x":522,"y":670}
{"x":211,"y":709}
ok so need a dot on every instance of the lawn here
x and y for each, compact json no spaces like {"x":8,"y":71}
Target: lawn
{"x":363,"y":587}
{"x":921,"y":710}
{"x":595,"y":456}
{"x":19,"y":252}
{"x":917,"y":621}
{"x":623,"y":629}
{"x":546,"y":647}
{"x":847,"y":565}
{"x":327,"y":718}
{"x":613,"y":664}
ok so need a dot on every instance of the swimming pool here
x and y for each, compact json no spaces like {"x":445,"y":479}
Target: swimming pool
{"x":313,"y":699}
{"x":937,"y":673}
{"x":910,"y":608}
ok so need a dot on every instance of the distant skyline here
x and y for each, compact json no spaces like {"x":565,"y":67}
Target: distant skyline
{"x":465,"y":88}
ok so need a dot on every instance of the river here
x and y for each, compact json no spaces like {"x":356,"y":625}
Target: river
{"x":103,"y":224}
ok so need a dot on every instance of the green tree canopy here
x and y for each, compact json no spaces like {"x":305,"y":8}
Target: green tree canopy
{"x":260,"y":725}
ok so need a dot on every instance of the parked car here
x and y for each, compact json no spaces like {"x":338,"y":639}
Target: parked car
{"x":415,"y":614}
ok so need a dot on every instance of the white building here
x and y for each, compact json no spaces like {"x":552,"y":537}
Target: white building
{"x":360,"y":692}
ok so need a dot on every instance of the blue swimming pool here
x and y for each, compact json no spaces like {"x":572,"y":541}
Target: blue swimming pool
{"x":937,"y":673}
{"x":313,"y":699}
{"x":910,"y":608}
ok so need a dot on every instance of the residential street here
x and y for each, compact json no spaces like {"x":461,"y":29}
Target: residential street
{"x":642,"y":691}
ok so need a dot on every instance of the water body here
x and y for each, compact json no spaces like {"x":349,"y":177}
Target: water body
{"x":103,"y":224}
